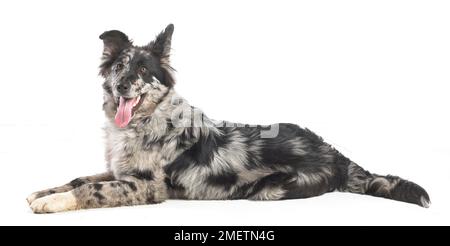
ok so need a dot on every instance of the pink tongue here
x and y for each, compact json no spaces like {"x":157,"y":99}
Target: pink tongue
{"x":124,"y":111}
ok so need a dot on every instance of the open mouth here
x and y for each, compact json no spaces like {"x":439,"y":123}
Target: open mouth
{"x":126,"y":109}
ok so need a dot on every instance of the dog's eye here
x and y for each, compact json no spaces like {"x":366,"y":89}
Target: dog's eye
{"x":118,"y":67}
{"x":142,"y":70}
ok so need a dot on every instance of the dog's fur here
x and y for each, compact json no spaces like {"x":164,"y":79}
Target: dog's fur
{"x":169,"y":149}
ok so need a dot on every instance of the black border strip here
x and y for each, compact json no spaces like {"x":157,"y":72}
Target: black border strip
{"x":230,"y":234}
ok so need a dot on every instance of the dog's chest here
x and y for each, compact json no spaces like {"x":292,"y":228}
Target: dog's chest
{"x":129,"y":150}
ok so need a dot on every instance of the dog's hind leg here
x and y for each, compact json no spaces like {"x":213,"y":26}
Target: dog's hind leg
{"x":280,"y":185}
{"x":107,"y":176}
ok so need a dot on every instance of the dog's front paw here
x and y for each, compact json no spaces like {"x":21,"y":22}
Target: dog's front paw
{"x":58,"y":202}
{"x":32,"y":197}
{"x":39,"y":194}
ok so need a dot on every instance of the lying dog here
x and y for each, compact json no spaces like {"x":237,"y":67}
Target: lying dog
{"x":159,"y":147}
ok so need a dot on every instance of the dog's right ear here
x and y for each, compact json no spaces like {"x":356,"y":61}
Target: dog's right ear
{"x":113,"y":43}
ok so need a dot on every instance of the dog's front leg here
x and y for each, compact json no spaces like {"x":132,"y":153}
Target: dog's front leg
{"x":128,"y":191}
{"x":107,"y":176}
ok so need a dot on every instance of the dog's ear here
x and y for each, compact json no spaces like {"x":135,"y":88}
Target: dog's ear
{"x":160,"y":47}
{"x":113,"y":43}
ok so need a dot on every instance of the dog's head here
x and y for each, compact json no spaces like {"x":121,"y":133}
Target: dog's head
{"x":136,"y":77}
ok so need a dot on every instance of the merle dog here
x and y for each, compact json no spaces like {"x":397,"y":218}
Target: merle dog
{"x":159,"y":147}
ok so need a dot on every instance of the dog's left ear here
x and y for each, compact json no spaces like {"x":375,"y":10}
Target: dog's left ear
{"x":160,"y":47}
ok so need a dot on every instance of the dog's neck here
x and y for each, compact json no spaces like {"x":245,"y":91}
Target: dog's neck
{"x":153,"y":100}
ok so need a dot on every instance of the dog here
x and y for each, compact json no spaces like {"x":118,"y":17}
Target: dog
{"x":159,"y":147}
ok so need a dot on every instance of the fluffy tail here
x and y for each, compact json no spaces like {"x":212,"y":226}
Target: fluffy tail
{"x":362,"y":182}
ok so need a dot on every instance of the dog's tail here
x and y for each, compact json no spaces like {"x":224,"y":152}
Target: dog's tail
{"x":363,"y":182}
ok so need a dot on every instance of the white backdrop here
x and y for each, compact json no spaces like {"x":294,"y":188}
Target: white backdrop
{"x":371,"y":77}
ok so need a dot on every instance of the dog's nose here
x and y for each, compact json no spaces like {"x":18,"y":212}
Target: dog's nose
{"x":123,"y":88}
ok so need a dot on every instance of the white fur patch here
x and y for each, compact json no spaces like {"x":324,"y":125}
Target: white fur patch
{"x":58,"y":202}
{"x":269,"y":193}
{"x":32,"y":197}
{"x":425,"y":202}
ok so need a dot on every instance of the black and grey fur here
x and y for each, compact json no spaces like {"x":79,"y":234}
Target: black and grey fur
{"x":170,"y":149}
